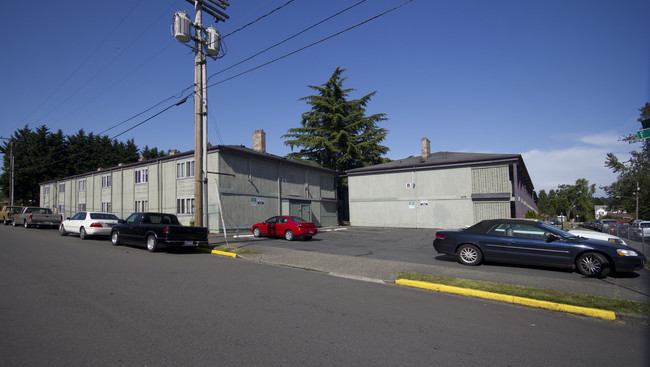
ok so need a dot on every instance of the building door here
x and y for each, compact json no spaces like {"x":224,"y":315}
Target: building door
{"x":300,"y":209}
{"x":305,"y":212}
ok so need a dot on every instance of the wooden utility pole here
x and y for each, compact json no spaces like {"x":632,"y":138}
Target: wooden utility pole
{"x":201,"y":94}
{"x":199,"y":102}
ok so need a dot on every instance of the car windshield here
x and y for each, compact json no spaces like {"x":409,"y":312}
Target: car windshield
{"x":558,"y":231}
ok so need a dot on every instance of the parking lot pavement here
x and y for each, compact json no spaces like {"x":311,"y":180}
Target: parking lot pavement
{"x":379,"y":254}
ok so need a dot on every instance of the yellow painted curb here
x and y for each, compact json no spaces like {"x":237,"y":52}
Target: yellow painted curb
{"x":223,"y":253}
{"x":594,"y":312}
{"x":217,"y":252}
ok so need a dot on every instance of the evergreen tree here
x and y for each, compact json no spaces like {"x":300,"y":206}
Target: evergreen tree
{"x":152,"y":153}
{"x":633,"y":175}
{"x":41,"y":156}
{"x":336,"y":133}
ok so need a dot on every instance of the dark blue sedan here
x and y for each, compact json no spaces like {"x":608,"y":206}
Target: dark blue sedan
{"x":532,"y":242}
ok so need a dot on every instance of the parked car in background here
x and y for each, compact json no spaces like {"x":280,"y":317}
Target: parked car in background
{"x":7,"y":213}
{"x":640,"y":230}
{"x":156,"y":231}
{"x":605,"y":224}
{"x":532,"y":242}
{"x":598,"y":236}
{"x":32,"y":216}
{"x":87,"y":224}
{"x":285,"y":226}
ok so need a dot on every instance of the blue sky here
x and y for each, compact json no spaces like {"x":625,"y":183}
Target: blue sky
{"x":556,"y":81}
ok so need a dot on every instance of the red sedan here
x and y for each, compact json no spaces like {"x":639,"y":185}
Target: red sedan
{"x":285,"y":226}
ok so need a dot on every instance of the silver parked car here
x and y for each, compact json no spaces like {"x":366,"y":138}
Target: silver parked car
{"x":640,"y":229}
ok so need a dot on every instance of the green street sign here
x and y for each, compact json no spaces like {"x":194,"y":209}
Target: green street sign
{"x":643,"y":134}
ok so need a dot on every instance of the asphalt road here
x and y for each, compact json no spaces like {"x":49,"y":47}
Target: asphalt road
{"x":71,"y":302}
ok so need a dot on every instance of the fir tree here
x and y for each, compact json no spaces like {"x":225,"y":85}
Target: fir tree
{"x":336,"y":133}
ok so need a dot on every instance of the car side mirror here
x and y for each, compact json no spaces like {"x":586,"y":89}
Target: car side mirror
{"x":553,"y":237}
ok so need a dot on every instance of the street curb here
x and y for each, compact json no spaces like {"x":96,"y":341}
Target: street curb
{"x":217,"y":252}
{"x":593,"y":312}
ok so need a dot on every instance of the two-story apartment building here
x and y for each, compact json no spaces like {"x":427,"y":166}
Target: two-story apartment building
{"x":245,"y":185}
{"x":440,"y":190}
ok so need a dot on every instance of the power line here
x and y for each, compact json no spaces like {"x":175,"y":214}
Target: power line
{"x":83,"y":62}
{"x":111,"y":138}
{"x":258,"y":19}
{"x":232,"y":77}
{"x":309,"y":45}
{"x":287,"y":39}
{"x":100,"y":71}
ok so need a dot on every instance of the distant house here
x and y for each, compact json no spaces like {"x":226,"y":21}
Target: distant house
{"x":440,"y":190}
{"x":253,"y":186}
{"x":600,"y":211}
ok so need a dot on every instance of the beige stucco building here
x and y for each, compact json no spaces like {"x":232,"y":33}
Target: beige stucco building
{"x":440,"y":190}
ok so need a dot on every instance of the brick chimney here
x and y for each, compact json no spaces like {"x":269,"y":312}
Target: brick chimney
{"x":259,"y":141}
{"x":426,"y":148}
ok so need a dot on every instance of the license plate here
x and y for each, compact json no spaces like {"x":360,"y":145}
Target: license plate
{"x":189,"y":243}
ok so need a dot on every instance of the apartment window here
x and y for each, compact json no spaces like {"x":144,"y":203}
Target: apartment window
{"x":106,"y":207}
{"x":185,"y":169}
{"x":185,"y":206}
{"x":61,"y":208}
{"x":62,"y":187}
{"x":142,"y":175}
{"x":82,"y":185}
{"x":81,"y":207}
{"x":46,"y":191}
{"x":141,"y":205}
{"x":106,"y":181}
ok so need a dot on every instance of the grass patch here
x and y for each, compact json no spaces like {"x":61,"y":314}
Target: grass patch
{"x":603,"y":303}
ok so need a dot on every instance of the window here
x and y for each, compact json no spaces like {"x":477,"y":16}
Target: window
{"x":81,"y":207}
{"x":106,"y":207}
{"x":82,"y":185}
{"x":185,"y":206}
{"x":62,"y":187}
{"x":141,"y":205}
{"x":61,"y":208}
{"x":106,"y":181}
{"x":185,"y":169}
{"x":142,"y":175}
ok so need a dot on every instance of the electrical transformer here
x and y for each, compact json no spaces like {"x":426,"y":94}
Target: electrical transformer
{"x":182,"y":24}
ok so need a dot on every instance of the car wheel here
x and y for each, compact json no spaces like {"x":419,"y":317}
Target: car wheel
{"x":257,"y":232}
{"x":26,"y":224}
{"x":307,"y":238}
{"x":5,"y":222}
{"x":82,"y":233}
{"x":13,"y":223}
{"x":288,"y":235}
{"x":115,"y":238}
{"x":152,"y":244}
{"x":592,"y":264}
{"x":62,"y":231}
{"x":469,"y":255}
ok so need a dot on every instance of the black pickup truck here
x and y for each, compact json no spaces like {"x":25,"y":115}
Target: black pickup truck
{"x":156,"y":231}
